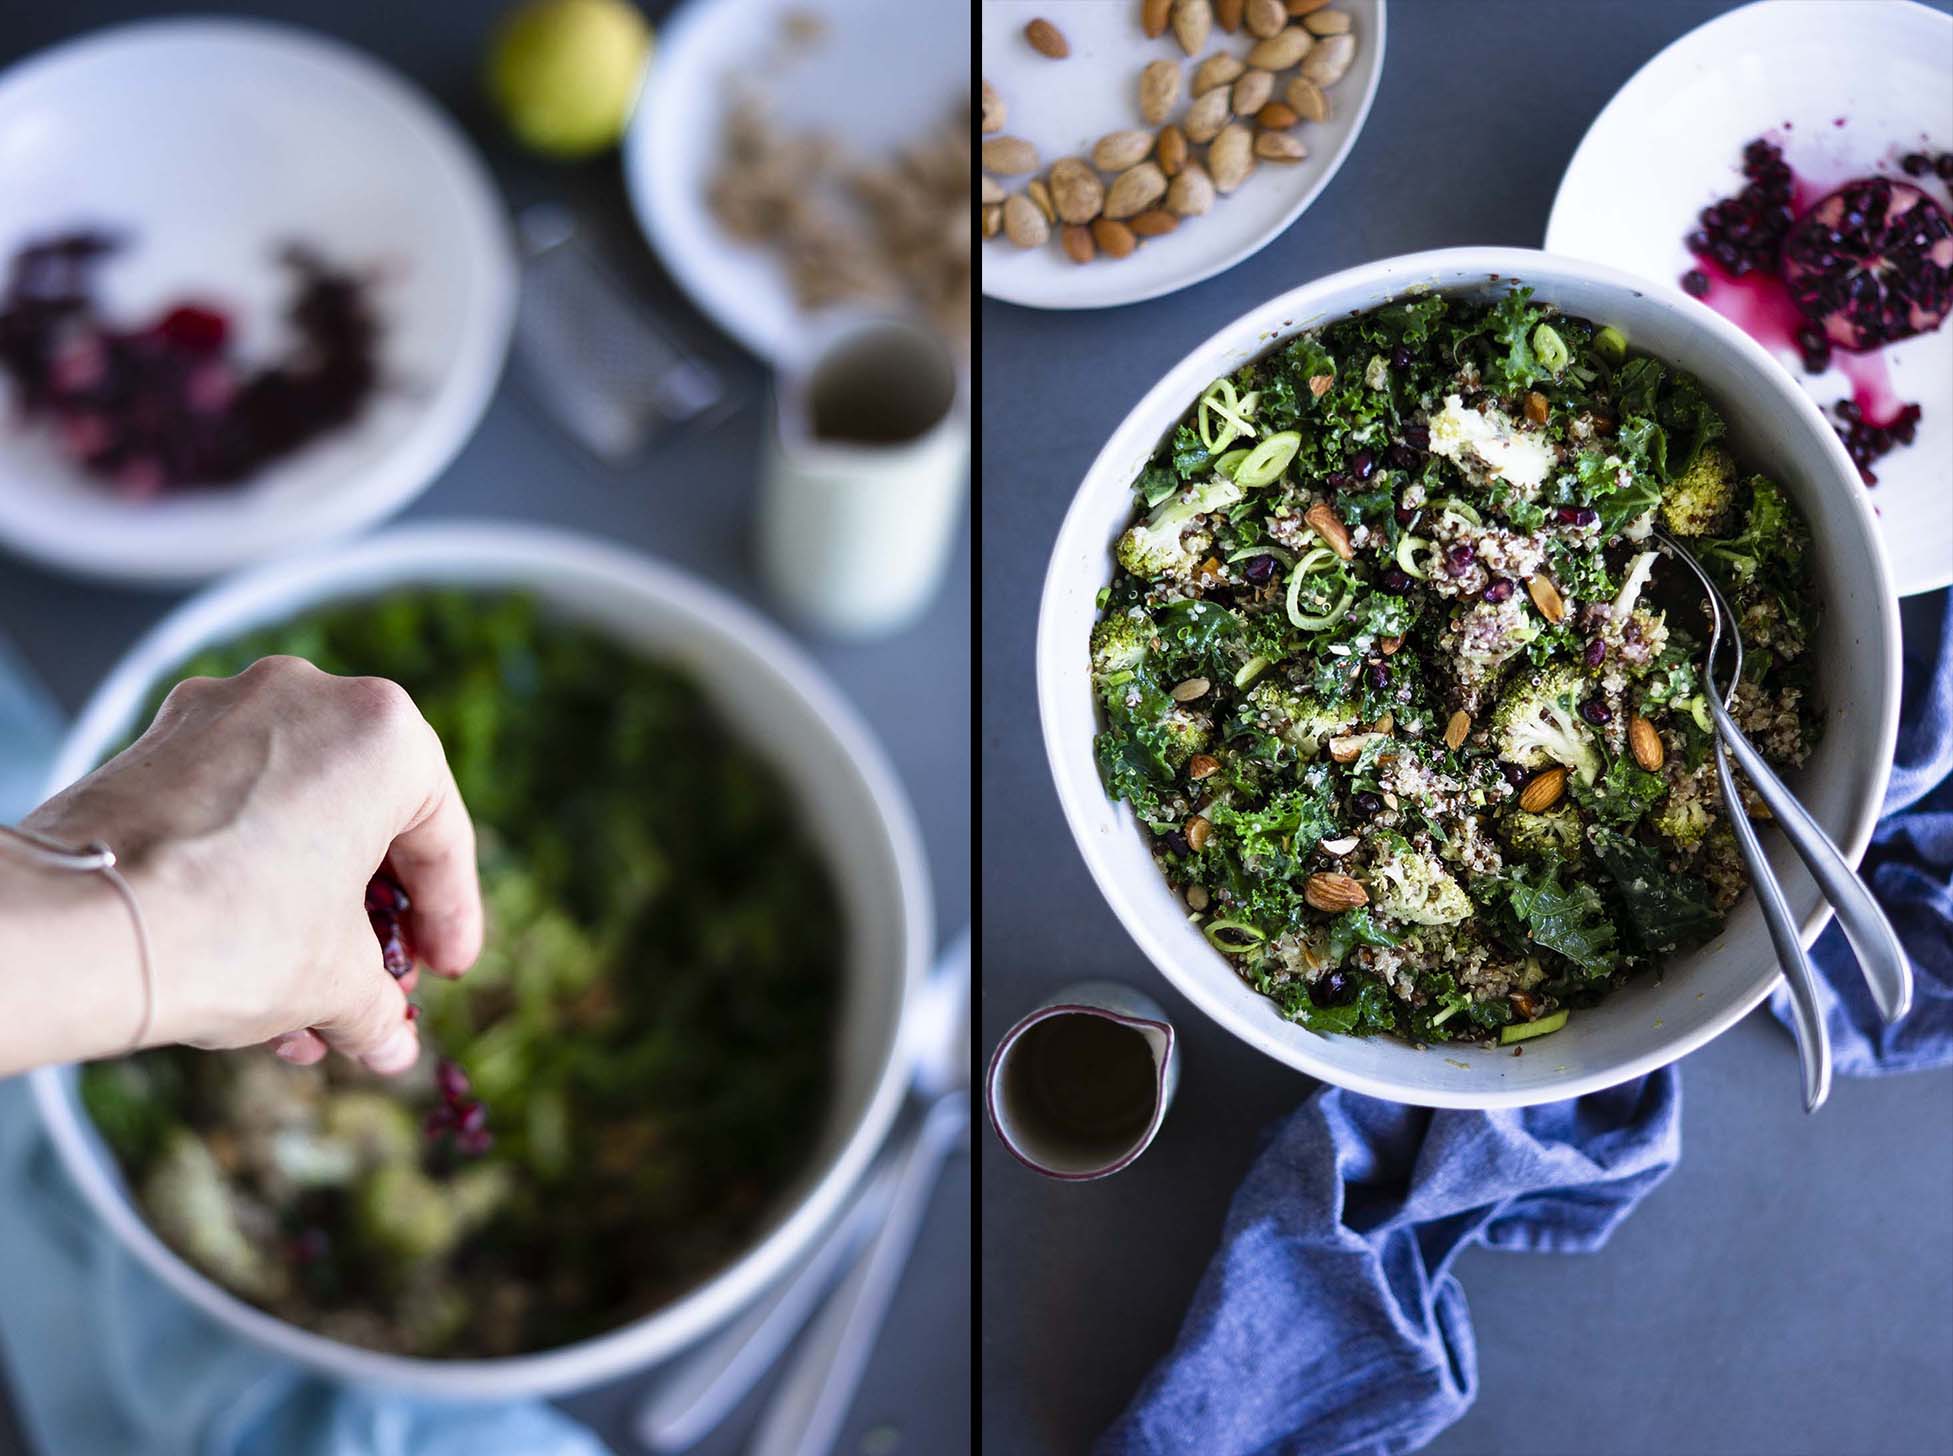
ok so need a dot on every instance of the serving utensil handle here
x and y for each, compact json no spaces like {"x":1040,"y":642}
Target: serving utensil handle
{"x":1881,"y":959}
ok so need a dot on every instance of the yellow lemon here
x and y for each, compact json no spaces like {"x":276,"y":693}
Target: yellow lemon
{"x":565,"y":72}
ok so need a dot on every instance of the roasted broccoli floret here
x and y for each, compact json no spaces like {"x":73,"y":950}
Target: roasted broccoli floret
{"x":1683,"y":817}
{"x":1120,"y":644}
{"x":1160,"y":544}
{"x":1702,"y":500}
{"x":1557,"y":831}
{"x":1411,"y":886}
{"x":1184,"y":733}
{"x":1535,"y":723}
{"x":1298,"y":719}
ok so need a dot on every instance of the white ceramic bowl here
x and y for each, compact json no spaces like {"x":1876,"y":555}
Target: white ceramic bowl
{"x":1772,"y":424}
{"x":211,"y":144}
{"x":774,"y":698}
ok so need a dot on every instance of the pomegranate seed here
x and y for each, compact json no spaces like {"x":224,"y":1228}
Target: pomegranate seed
{"x":1500,"y":590}
{"x":1695,"y":283}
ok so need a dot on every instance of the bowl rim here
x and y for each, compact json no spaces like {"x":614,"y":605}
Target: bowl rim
{"x":448,"y":414}
{"x":757,"y":646}
{"x":1057,"y":659}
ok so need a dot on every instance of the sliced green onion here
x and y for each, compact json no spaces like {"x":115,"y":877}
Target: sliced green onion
{"x":1225,"y":403}
{"x":1315,"y":558}
{"x":1527,"y":1030}
{"x":1268,"y":459}
{"x":1459,"y":509}
{"x":1550,"y":348}
{"x":1445,"y":1015}
{"x":1611,"y":344}
{"x":1302,"y":619}
{"x":1253,"y":668}
{"x":1247,"y":935}
{"x":1227,"y":464}
{"x":1269,"y":549}
{"x":1407,"y":549}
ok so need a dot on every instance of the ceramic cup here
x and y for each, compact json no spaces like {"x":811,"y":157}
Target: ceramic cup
{"x":864,"y":476}
{"x":1079,"y":1087}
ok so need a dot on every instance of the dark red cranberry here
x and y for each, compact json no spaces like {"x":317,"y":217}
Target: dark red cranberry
{"x":1695,"y":283}
{"x":1395,"y":581}
{"x":1459,"y":558}
{"x":1175,"y":842}
{"x":1418,"y":437}
{"x":1339,"y":480}
{"x":1564,"y":515}
{"x":1400,"y":457}
{"x":1400,"y":357}
{"x":1596,"y":652}
{"x":1259,"y":568}
{"x":1337,"y":988}
{"x":1379,"y":676}
{"x":1514,"y":774}
{"x":1405,"y":515}
{"x":1595,"y":711}
{"x":1500,"y":589}
{"x":1585,"y":516}
{"x":1364,"y":464}
{"x":1367,"y":804}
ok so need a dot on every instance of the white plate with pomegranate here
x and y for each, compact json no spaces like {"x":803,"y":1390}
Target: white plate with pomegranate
{"x":1064,"y":106}
{"x":1844,"y":91}
{"x":207,"y":148}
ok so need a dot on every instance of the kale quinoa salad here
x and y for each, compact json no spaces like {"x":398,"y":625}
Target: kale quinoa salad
{"x":650,"y":1026}
{"x":1402,"y":690}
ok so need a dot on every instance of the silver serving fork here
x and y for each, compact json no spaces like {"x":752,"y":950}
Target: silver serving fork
{"x":1881,"y":959}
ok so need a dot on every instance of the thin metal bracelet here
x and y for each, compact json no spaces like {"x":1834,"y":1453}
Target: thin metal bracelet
{"x":95,"y":858}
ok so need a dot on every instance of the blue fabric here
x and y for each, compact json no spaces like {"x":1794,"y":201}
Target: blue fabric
{"x":103,"y":1359}
{"x":1910,"y":868}
{"x":1330,"y":1323}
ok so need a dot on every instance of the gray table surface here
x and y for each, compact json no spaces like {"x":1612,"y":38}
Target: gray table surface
{"x":914,"y":688}
{"x":1787,"y":1290}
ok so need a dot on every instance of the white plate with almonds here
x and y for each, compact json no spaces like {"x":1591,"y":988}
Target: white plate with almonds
{"x":1135,"y":147}
{"x":791,"y":156}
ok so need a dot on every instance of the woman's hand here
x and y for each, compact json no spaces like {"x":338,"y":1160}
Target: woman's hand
{"x":248,"y":820}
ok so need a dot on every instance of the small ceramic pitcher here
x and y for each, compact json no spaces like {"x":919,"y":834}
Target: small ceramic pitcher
{"x":1079,"y":1087}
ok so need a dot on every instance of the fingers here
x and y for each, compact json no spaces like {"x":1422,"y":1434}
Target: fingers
{"x":300,"y":1048}
{"x":435,"y":860}
{"x":371,"y":1022}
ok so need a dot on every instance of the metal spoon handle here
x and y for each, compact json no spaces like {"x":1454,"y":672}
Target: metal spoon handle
{"x":812,"y":1400}
{"x":1881,"y":959}
{"x":1813,"y":1041}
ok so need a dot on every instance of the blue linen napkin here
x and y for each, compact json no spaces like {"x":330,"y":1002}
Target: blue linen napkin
{"x":104,"y":1359}
{"x":1909,"y":867}
{"x":1330,"y":1323}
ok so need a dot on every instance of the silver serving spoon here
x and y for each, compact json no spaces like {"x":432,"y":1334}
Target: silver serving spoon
{"x":1881,"y":959}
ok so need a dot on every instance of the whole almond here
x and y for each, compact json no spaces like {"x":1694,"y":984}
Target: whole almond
{"x":1198,"y":832}
{"x":1348,"y":747}
{"x":1009,"y":156}
{"x":1303,"y":7}
{"x":1333,"y":893}
{"x":1319,"y":384}
{"x":1152,"y":17}
{"x":1329,"y":526}
{"x":1170,"y":151}
{"x":1078,"y":243}
{"x":1279,"y":146}
{"x":1308,"y":99}
{"x":993,"y":191}
{"x":1206,"y":117}
{"x":1326,"y":22}
{"x":993,"y":110}
{"x":1279,"y":52}
{"x":1155,"y":222}
{"x":1135,"y":190}
{"x":1046,"y":39}
{"x":1456,"y":729}
{"x":1193,"y":687}
{"x":1251,"y":92}
{"x":1116,"y":151}
{"x":1076,"y":190}
{"x":1231,"y":158}
{"x":1227,"y":14}
{"x":1646,"y":743}
{"x":1192,"y":20}
{"x":1276,"y":116}
{"x":993,"y":220}
{"x":1216,"y":70}
{"x":1159,"y":89}
{"x":1388,"y":646}
{"x":1266,"y":18}
{"x":1203,"y":766}
{"x":1546,"y":596}
{"x":1024,"y":225}
{"x":1329,"y":59}
{"x":1041,"y":195}
{"x":1115,"y":239}
{"x":1543,"y":790}
{"x":1192,"y":192}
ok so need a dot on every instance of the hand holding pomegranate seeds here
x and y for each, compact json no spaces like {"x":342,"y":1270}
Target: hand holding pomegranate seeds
{"x":249,"y":820}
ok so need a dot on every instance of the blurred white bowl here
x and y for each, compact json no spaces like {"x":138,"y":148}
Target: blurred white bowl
{"x":210,"y":144}
{"x":776,"y":700}
{"x":1651,"y":1021}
